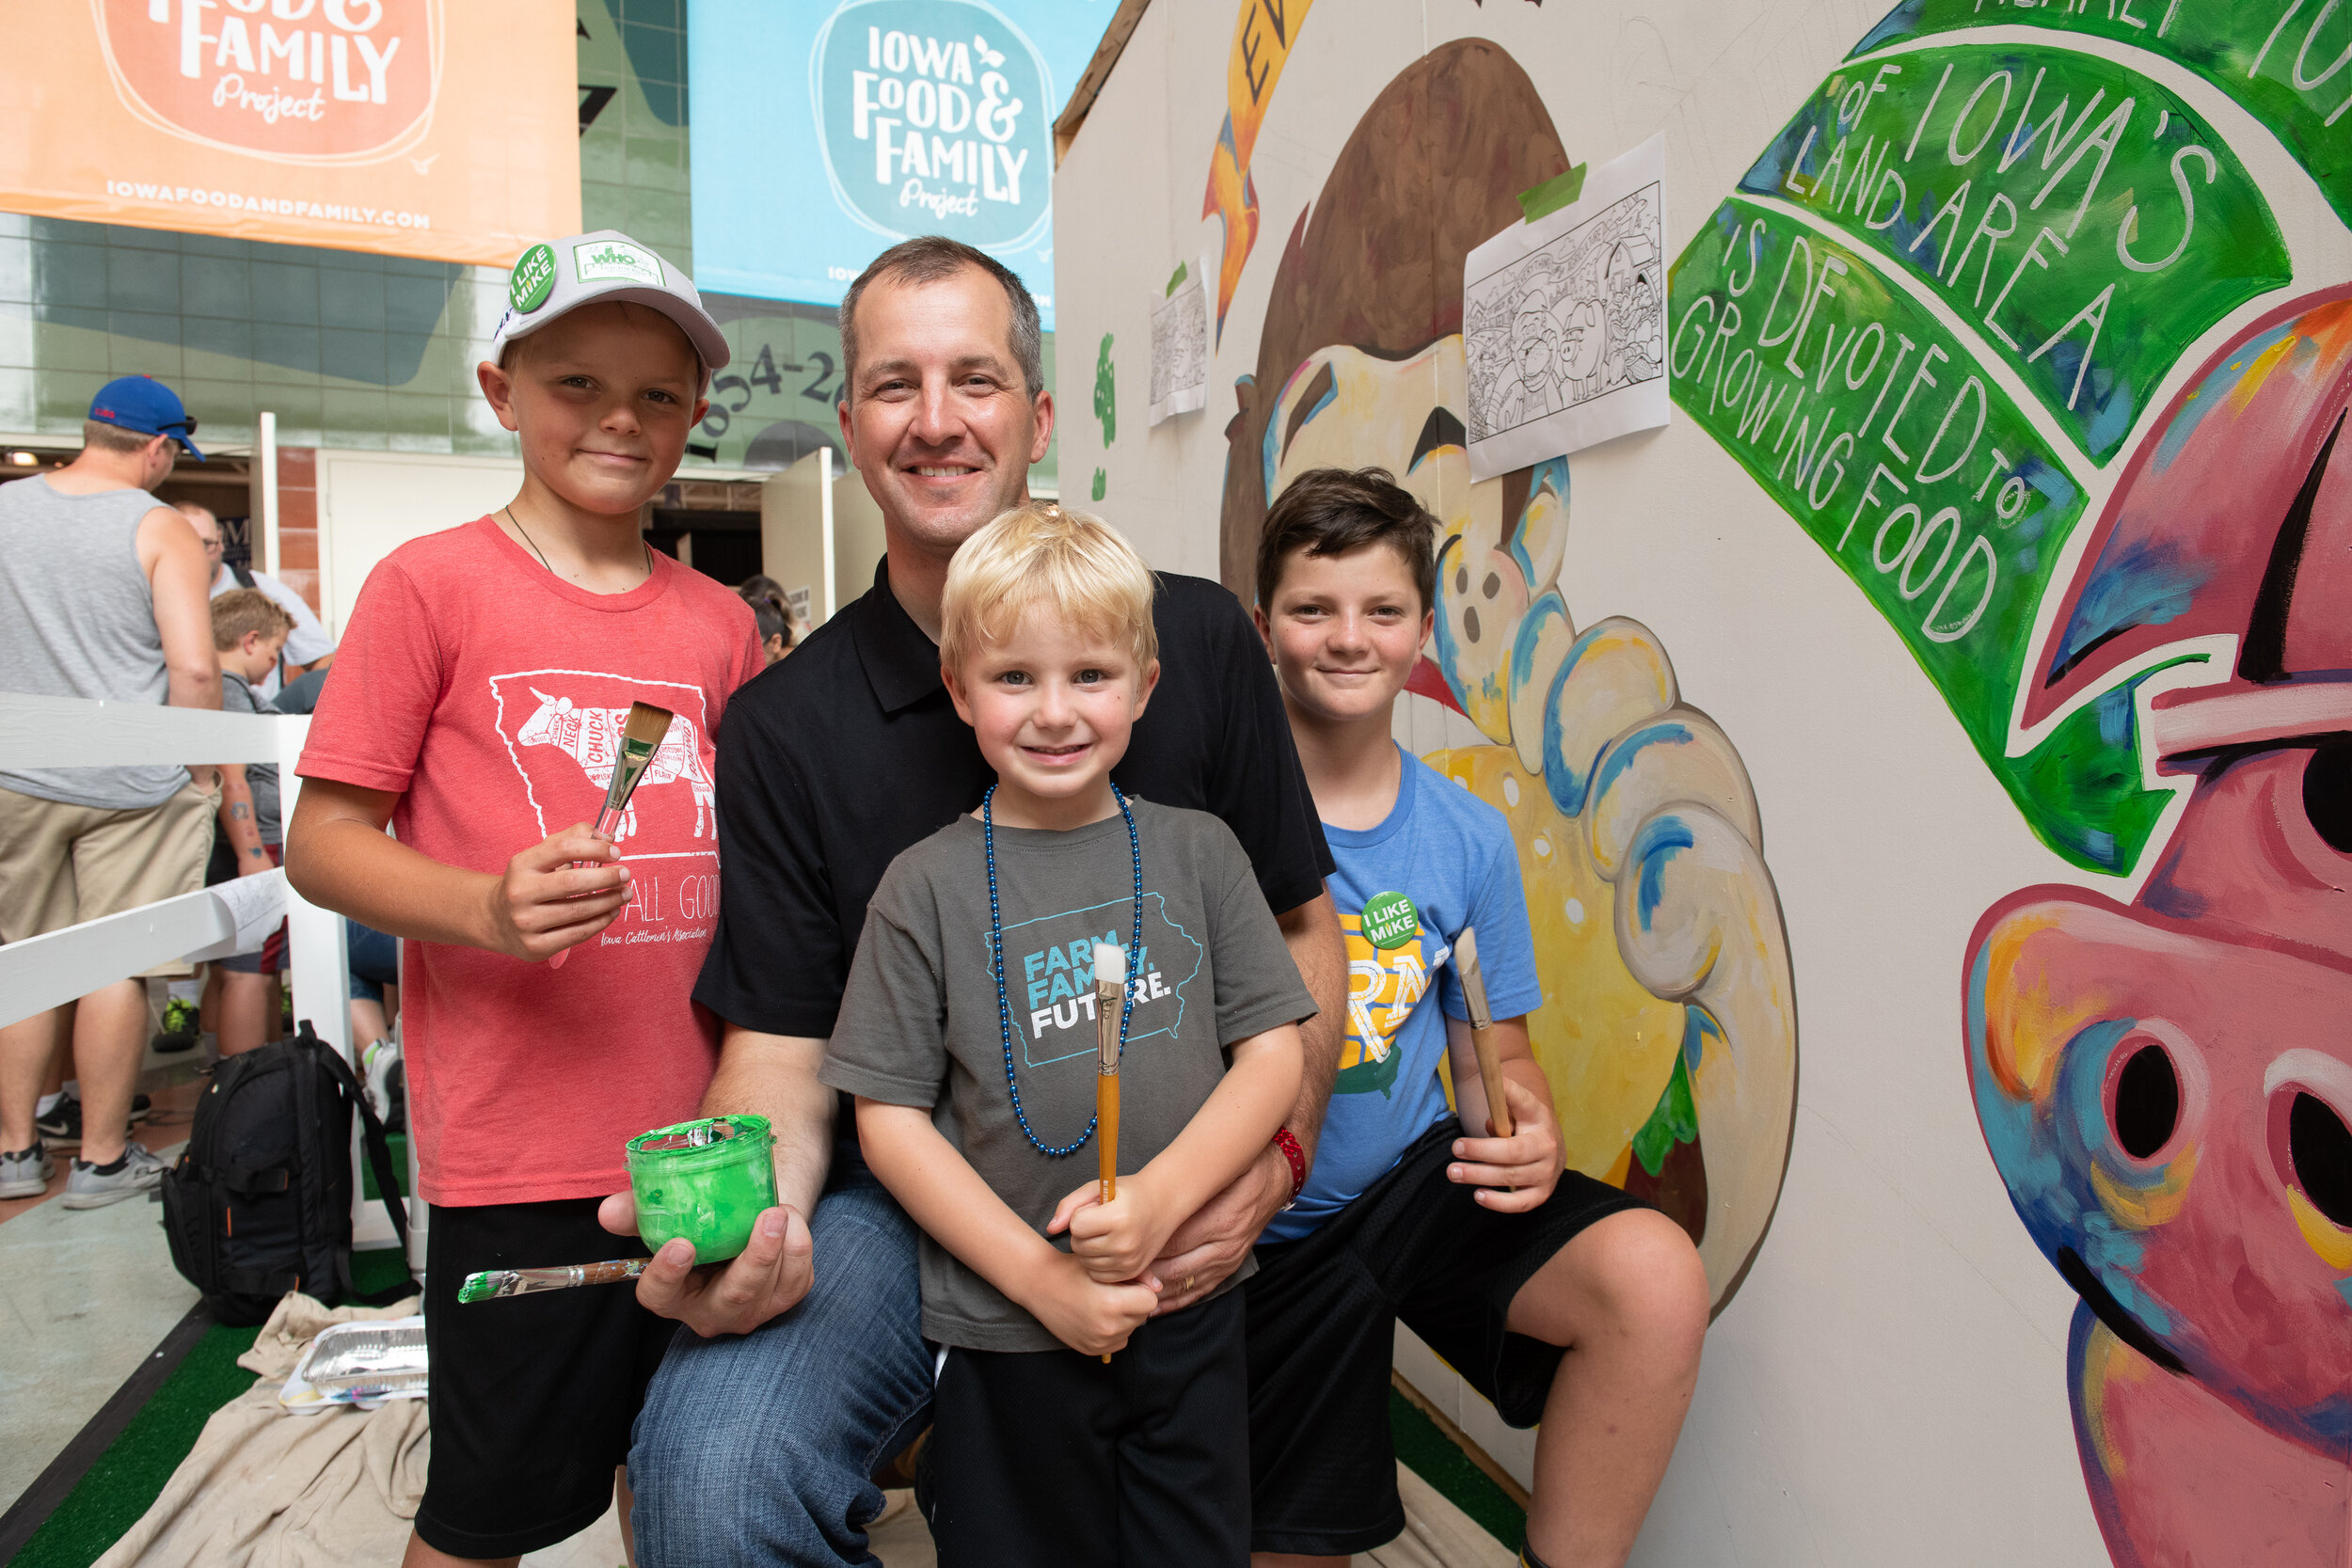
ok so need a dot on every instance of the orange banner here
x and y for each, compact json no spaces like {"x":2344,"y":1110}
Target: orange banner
{"x":443,"y":129}
{"x":1262,"y":35}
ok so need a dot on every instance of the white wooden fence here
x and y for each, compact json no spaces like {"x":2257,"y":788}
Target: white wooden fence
{"x":41,"y":973}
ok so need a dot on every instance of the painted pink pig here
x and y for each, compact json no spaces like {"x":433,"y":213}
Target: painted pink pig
{"x":2167,"y":1087}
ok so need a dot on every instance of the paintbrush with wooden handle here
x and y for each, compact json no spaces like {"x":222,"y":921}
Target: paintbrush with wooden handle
{"x":641,"y":737}
{"x":1482,"y":1023}
{"x":1110,"y":986}
{"x":492,"y":1284}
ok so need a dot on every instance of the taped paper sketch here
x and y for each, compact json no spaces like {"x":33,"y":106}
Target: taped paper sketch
{"x":1564,"y":321}
{"x":1179,"y":343}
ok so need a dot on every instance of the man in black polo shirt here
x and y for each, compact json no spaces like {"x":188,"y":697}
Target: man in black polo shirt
{"x":808,"y":1366}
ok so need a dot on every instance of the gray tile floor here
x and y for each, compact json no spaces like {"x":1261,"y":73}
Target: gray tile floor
{"x":85,"y":1296}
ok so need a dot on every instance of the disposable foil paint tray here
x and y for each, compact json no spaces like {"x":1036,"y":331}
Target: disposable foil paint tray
{"x":366,"y":1360}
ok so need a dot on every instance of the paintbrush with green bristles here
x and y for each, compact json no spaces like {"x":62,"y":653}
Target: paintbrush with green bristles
{"x":491,"y":1284}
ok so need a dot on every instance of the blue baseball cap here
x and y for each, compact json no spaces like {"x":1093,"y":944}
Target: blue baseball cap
{"x":145,"y":404}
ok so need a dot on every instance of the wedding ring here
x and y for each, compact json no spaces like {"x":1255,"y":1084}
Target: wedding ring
{"x":1188,"y":1279}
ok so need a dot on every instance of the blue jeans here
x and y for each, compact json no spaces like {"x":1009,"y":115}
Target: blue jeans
{"x":757,"y":1449}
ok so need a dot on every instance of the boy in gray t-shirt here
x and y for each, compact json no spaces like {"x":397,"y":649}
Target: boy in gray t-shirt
{"x":968,"y":1035}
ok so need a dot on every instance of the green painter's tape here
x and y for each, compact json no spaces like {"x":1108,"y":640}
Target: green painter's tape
{"x":1553,"y":194}
{"x":710,"y":1193}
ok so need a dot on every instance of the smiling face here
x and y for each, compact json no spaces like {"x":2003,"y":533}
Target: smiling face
{"x":1345,"y":631}
{"x":603,"y":398}
{"x":1052,"y":705}
{"x":940,"y":419}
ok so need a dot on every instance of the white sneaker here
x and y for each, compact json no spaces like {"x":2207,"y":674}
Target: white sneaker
{"x":139,"y":1172}
{"x":27,"y":1172}
{"x":379,"y":1061}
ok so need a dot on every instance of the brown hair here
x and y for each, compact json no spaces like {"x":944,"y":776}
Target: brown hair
{"x":1340,"y":510}
{"x":244,"y":610}
{"x":113,"y":437}
{"x":934,"y":258}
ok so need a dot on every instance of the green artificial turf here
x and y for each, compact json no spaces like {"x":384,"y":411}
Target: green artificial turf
{"x":1433,"y":1456}
{"x":378,"y":1269}
{"x":130,"y":1475}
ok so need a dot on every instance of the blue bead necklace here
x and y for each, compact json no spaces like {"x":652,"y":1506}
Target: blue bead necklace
{"x":996,"y":955}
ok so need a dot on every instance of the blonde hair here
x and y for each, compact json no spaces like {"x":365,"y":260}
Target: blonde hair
{"x":1040,"y":553}
{"x":244,"y":610}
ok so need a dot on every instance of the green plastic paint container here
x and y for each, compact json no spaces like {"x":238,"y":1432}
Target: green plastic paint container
{"x":705,"y":1180}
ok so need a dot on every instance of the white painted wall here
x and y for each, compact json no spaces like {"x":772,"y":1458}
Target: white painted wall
{"x":1888,"y":1388}
{"x":373,"y":502}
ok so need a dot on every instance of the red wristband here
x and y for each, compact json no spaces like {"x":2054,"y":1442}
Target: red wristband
{"x":1288,"y":1143}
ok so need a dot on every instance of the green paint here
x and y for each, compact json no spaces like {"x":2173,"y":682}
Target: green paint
{"x":1368,"y":1076}
{"x":1675,"y":1121}
{"x":2255,"y":53}
{"x":1952,"y":532}
{"x":1102,"y":484}
{"x":1389,"y":920}
{"x":1176,"y":280}
{"x":1553,"y":194}
{"x":478,"y":1286}
{"x":709,"y":1192}
{"x":1105,"y":393}
{"x":2083,"y":221}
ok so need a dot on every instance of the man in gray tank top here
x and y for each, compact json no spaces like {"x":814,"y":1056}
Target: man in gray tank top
{"x":102,"y":595}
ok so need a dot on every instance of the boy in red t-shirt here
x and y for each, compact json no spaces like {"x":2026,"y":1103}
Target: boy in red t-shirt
{"x":476,"y":707}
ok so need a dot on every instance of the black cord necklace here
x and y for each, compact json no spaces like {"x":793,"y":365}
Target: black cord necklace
{"x":996,"y":955}
{"x":550,"y":566}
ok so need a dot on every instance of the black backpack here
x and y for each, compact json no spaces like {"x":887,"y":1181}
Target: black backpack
{"x":259,"y":1202}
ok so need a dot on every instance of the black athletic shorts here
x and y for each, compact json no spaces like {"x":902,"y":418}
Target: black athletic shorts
{"x":1322,"y":1336}
{"x":1053,"y":1457}
{"x":532,"y":1396}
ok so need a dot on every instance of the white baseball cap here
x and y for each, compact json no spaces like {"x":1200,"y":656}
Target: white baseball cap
{"x":557,"y":277}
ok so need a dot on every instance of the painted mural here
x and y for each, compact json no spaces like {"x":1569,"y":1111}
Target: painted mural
{"x":1944,"y":323}
{"x":1669,"y":1028}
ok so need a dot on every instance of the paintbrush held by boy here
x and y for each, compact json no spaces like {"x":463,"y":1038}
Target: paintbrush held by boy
{"x":499,"y":685}
{"x":1068,"y":964}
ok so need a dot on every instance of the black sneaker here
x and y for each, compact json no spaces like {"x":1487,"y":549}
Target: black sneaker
{"x":61,"y":1123}
{"x":180,"y":1030}
{"x":141,"y":1107}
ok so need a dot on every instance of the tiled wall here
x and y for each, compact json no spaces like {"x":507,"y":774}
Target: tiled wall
{"x":348,"y":349}
{"x":634,"y":153}
{"x":354,"y":350}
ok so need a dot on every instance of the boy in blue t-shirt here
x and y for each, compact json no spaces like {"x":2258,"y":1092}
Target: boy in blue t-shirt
{"x":1559,"y":1298}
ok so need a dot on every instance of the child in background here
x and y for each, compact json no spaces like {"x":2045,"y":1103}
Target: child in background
{"x":1483,"y":1246}
{"x":475,"y":706}
{"x":250,"y":631}
{"x":775,"y":632}
{"x":968,"y":1035}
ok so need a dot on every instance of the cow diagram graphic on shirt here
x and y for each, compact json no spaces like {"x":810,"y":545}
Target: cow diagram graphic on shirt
{"x":591,"y":736}
{"x":563,"y":733}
